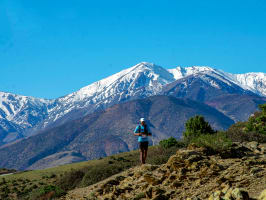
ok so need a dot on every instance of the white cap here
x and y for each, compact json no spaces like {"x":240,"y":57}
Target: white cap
{"x":142,"y":120}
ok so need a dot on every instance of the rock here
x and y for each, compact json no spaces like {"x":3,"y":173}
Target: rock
{"x":172,"y":177}
{"x":225,"y":189}
{"x":193,"y":158}
{"x":262,"y":150}
{"x":228,"y":194}
{"x":192,"y":146}
{"x":138,"y":174}
{"x":183,"y":158}
{"x":157,"y":191}
{"x":99,"y":191}
{"x":148,"y":167}
{"x":262,"y":195}
{"x":112,"y":182}
{"x":117,"y":191}
{"x":169,"y":193}
{"x":150,"y":179}
{"x":160,"y":197}
{"x":217,"y":195}
{"x":176,"y":184}
{"x":148,"y":192}
{"x":255,"y":170}
{"x":120,"y":178}
{"x":198,"y":182}
{"x":252,"y":145}
{"x":240,"y":194}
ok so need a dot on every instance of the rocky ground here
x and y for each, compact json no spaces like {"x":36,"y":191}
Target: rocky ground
{"x":192,"y":173}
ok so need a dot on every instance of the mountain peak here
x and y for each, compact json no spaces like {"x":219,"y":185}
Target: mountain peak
{"x":147,"y":66}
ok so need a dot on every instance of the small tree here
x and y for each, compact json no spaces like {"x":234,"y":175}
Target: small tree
{"x":263,"y":108}
{"x":257,"y":122}
{"x":196,"y":126}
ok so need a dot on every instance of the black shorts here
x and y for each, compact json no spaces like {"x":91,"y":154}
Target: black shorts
{"x":143,"y":145}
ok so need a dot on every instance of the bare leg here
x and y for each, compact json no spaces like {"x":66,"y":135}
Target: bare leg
{"x":142,"y":156}
{"x":145,"y":155}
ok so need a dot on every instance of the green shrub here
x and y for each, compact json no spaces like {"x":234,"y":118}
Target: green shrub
{"x":238,"y":133}
{"x":71,"y":179}
{"x":49,"y":188}
{"x":52,"y":176}
{"x":160,"y":155}
{"x":47,"y":192}
{"x":217,"y":142}
{"x":257,"y":122}
{"x":196,"y":126}
{"x":96,"y":174}
{"x":170,"y":142}
{"x":3,"y":180}
{"x":139,"y":196}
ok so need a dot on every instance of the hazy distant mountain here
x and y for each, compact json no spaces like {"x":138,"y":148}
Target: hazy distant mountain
{"x":22,"y":116}
{"x":108,"y":132}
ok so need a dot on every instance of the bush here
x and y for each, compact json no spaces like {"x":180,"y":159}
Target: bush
{"x":139,"y":196}
{"x":236,"y":134}
{"x":50,"y":188}
{"x":257,"y":122}
{"x":71,"y":179}
{"x":196,"y":126}
{"x":47,"y":192}
{"x":217,"y":142}
{"x":96,"y":174}
{"x":170,"y":142}
{"x":160,"y":155}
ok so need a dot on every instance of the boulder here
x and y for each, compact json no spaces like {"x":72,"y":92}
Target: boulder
{"x":262,"y":195}
{"x":240,"y":194}
{"x":150,"y":179}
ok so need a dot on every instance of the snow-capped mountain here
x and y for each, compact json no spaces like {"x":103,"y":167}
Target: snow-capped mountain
{"x":27,"y":115}
{"x":139,"y":81}
{"x":255,"y":82}
{"x":19,"y":113}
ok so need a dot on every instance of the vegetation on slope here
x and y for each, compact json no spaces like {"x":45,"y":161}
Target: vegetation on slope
{"x":49,"y":183}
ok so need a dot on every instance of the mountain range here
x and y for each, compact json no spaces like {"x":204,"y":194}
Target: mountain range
{"x":107,"y":132}
{"x":98,"y":119}
{"x":22,"y":116}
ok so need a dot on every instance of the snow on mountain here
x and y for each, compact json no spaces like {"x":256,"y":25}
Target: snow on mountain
{"x":125,"y":80}
{"x":255,"y":82}
{"x":142,"y":80}
{"x":19,"y":113}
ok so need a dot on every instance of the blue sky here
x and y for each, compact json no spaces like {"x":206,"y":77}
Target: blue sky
{"x":54,"y":47}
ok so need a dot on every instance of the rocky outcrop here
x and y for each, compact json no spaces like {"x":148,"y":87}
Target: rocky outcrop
{"x":192,"y":173}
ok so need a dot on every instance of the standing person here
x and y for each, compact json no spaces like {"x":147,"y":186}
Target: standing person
{"x":142,"y":131}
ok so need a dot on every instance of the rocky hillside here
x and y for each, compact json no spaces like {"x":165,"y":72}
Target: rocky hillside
{"x":193,"y":173}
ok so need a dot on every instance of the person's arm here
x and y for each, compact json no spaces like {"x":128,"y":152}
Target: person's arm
{"x":137,"y":131}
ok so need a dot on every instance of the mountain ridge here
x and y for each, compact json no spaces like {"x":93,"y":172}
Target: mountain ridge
{"x":137,"y":82}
